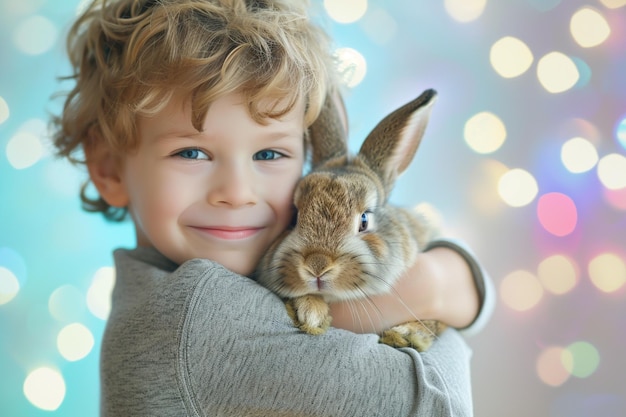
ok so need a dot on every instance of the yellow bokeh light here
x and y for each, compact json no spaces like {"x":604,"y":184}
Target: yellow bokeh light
{"x":613,"y":4}
{"x":589,"y":28}
{"x":345,"y":11}
{"x":74,"y":342}
{"x":557,"y":72}
{"x":551,"y":366}
{"x":4,"y":110}
{"x":99,"y":292}
{"x":579,"y":155}
{"x":45,"y":388}
{"x":612,"y":171}
{"x":9,"y":285}
{"x":484,"y":132}
{"x":521,"y":290}
{"x":465,"y":10}
{"x":517,"y":187}
{"x":558,"y":274}
{"x":352,"y":66}
{"x":607,"y":272}
{"x":510,"y":57}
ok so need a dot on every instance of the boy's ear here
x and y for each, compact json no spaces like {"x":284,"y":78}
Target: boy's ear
{"x":104,"y":171}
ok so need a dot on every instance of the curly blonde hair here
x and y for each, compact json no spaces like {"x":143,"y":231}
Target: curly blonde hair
{"x":130,"y":56}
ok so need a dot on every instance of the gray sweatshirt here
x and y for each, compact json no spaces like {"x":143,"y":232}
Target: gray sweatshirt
{"x":200,"y":340}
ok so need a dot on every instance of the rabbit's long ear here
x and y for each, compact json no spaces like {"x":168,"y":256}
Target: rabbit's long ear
{"x":391,"y":145}
{"x":328,"y":134}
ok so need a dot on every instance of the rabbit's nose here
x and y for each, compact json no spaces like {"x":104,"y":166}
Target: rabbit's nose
{"x":318,"y":264}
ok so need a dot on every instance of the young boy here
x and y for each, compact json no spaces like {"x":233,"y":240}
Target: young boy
{"x":191,"y":115}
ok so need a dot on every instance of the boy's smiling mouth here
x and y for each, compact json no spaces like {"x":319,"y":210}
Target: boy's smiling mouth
{"x":229,"y":233}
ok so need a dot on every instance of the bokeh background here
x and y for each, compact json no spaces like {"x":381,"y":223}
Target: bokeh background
{"x":524,"y":158}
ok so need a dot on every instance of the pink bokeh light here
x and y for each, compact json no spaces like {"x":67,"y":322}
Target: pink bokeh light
{"x":557,"y":213}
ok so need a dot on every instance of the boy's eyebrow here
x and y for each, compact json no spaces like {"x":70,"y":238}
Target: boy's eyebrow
{"x":176,"y":134}
{"x":195,"y":135}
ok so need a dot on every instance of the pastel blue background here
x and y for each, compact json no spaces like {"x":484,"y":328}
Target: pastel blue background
{"x":48,"y":242}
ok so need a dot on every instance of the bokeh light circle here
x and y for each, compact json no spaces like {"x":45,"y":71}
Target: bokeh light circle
{"x":45,"y":388}
{"x":380,"y":26}
{"x":558,"y":274}
{"x":612,"y":171}
{"x":557,"y":213}
{"x":520,"y":290}
{"x":24,"y":150}
{"x":484,"y":132}
{"x":552,"y":366}
{"x":14,"y":262}
{"x":557,"y":72}
{"x":4,"y":110}
{"x":589,"y":28}
{"x":585,"y":359}
{"x":35,"y":35}
{"x":343,"y":11}
{"x":613,"y":4}
{"x":66,"y":303}
{"x":74,"y":342}
{"x":351,"y":66}
{"x":99,"y":292}
{"x":607,"y":272}
{"x":517,"y":187}
{"x":579,"y":155}
{"x":9,"y":285}
{"x":584,"y":72}
{"x":465,"y":10}
{"x":510,"y":57}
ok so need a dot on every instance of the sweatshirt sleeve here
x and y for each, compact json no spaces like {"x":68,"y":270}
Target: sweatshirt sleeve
{"x":482,"y":280}
{"x":241,"y":355}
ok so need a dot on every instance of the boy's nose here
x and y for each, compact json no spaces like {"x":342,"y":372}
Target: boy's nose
{"x":234,"y":186}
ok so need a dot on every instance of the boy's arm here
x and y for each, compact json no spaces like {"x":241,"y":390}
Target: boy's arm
{"x":243,"y":353}
{"x":446,"y":283}
{"x":201,"y":340}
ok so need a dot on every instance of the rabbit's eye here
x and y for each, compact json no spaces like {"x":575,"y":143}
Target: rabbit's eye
{"x":364,"y":222}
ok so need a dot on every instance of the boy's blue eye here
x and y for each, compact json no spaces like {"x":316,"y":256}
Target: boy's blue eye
{"x":192,"y":153}
{"x":266,"y":155}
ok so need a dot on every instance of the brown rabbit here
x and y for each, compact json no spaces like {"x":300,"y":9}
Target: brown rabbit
{"x":348,"y":242}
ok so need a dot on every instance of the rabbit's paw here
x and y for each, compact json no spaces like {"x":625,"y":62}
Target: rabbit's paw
{"x":413,"y":334}
{"x":310,"y":313}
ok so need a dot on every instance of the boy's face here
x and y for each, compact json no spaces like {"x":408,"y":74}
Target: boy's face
{"x":224,"y":193}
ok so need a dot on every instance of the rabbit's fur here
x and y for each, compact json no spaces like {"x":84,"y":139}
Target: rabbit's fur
{"x":348,"y":242}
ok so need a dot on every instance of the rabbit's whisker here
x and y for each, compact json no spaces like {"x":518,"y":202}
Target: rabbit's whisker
{"x":355,"y":316}
{"x":379,"y":278}
{"x":364,"y":305}
{"x":365,"y":301}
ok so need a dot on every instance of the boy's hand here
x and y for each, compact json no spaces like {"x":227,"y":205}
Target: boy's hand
{"x":439,"y":286}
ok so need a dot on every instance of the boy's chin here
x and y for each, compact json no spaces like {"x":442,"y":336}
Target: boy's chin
{"x":242,"y":267}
